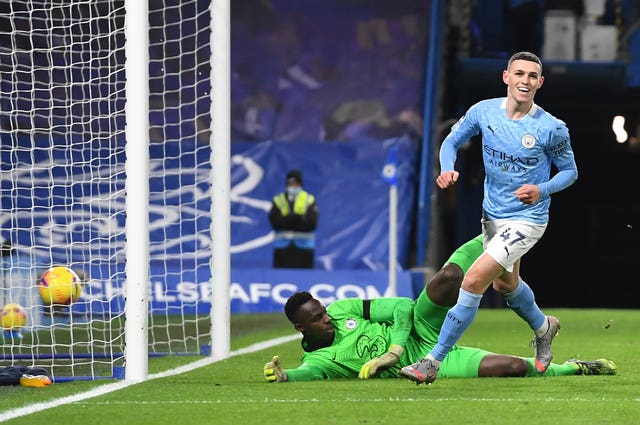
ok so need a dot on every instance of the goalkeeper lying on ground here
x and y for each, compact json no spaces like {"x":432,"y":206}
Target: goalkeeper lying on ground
{"x":365,"y":338}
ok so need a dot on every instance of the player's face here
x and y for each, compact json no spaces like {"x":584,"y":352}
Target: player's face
{"x":314,"y":323}
{"x":523,"y":79}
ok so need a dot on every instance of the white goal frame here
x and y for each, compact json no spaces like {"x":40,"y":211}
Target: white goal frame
{"x":137,"y":148}
{"x":116,"y":164}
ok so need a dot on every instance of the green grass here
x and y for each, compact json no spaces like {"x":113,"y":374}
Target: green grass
{"x":233,"y":391}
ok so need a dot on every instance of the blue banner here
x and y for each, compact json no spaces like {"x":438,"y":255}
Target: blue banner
{"x":58,"y":222}
{"x":352,"y":197}
{"x":267,"y":290}
{"x":251,"y":290}
{"x":55,"y":213}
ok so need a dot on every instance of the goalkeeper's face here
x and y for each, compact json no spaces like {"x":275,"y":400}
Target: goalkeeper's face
{"x":314,"y":323}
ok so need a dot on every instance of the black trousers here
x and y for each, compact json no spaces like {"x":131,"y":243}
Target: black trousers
{"x":293,"y":257}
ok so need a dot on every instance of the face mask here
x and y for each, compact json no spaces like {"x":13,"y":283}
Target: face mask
{"x":293,"y":190}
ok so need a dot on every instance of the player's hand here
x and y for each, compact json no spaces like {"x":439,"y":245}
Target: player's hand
{"x":446,"y":179}
{"x":528,"y":194}
{"x":385,"y":361}
{"x":273,"y":371}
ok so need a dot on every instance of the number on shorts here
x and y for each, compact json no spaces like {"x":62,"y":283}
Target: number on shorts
{"x":506,"y":235}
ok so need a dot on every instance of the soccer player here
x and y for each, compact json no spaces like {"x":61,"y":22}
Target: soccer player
{"x":365,"y":338}
{"x":520,"y":142}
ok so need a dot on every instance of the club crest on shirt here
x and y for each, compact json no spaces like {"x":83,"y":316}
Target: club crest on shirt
{"x":351,"y":324}
{"x":528,"y":141}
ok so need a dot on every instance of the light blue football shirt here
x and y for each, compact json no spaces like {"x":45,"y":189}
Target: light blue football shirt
{"x":515,"y":152}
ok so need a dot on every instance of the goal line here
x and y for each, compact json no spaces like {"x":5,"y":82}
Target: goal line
{"x":109,"y":388}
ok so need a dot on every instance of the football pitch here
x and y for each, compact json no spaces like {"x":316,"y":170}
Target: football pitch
{"x":233,"y":391}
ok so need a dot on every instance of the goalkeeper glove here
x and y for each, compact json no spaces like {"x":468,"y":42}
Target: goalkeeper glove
{"x":273,"y":372}
{"x":387,"y":360}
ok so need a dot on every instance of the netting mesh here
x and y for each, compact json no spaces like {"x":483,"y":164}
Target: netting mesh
{"x":62,"y":179}
{"x":179,"y":188}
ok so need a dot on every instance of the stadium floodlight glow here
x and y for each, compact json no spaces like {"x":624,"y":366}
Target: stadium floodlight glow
{"x":618,"y":129}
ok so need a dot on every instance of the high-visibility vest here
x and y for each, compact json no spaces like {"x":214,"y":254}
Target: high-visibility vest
{"x":283,"y":238}
{"x":300,"y":204}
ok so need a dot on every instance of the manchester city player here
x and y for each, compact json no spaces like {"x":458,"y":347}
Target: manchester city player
{"x":520,"y":142}
{"x":366,"y":338}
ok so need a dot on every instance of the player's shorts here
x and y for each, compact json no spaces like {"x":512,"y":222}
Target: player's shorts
{"x":508,"y":240}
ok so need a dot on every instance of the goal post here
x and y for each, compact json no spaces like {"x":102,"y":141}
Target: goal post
{"x":137,"y":189}
{"x":221,"y":176}
{"x":113,"y":167}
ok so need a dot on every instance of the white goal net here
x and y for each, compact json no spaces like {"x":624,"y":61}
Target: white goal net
{"x":63,"y":180}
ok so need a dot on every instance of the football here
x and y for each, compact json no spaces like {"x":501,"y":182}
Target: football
{"x":59,"y":285}
{"x":13,"y":317}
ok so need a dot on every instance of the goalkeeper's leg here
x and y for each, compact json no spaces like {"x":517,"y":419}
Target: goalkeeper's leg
{"x":500,"y":365}
{"x":444,"y":288}
{"x":442,"y":291}
{"x":467,"y":362}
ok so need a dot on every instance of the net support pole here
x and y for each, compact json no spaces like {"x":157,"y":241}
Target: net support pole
{"x":220,"y":177}
{"x":393,"y":241}
{"x":137,"y":190}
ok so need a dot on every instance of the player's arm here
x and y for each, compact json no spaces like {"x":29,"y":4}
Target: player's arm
{"x":305,"y":372}
{"x":562,"y":157}
{"x":273,"y":372}
{"x":398,"y":312}
{"x":461,"y":132}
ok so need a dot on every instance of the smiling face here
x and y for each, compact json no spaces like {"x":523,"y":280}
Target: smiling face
{"x":523,"y":78}
{"x":314,"y":323}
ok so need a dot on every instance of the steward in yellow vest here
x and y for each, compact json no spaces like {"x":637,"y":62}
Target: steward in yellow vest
{"x":294,"y":218}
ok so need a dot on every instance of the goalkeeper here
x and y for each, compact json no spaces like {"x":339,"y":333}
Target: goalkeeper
{"x":366,"y":338}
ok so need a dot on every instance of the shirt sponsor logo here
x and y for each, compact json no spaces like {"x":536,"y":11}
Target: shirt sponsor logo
{"x":367,"y":347}
{"x":508,"y":162}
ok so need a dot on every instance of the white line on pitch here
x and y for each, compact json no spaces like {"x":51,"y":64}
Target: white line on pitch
{"x":105,"y":389}
{"x":358,"y":400}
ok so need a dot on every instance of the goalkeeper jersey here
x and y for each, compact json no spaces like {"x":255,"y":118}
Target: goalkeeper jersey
{"x":359,"y":337}
{"x":365,"y":329}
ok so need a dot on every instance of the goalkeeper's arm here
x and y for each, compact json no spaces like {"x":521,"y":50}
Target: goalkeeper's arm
{"x":398,"y":312}
{"x":273,"y":372}
{"x":385,"y":361}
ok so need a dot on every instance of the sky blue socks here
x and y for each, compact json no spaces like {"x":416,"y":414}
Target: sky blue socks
{"x":458,"y":319}
{"x":522,"y":301}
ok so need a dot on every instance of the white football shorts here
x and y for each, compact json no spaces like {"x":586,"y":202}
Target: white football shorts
{"x":507,"y":240}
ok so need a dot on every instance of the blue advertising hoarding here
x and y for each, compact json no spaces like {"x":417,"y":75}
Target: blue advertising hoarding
{"x":62,"y":210}
{"x":251,"y":290}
